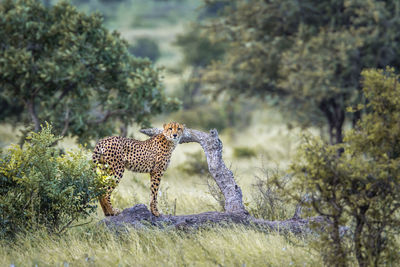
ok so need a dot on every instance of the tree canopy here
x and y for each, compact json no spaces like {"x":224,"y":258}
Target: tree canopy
{"x":60,"y":65}
{"x":305,"y":55}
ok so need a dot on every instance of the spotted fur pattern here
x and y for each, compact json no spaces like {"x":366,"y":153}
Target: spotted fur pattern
{"x":115,"y":154}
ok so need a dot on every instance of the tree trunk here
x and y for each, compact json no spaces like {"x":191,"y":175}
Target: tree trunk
{"x":339,"y":120}
{"x":335,"y":115}
{"x":360,"y":220}
{"x":337,"y":243}
{"x":123,"y":130}
{"x":235,"y":212}
{"x":30,"y":104}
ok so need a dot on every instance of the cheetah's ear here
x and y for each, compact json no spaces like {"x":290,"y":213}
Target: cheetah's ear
{"x":164,"y":125}
{"x":184,"y":125}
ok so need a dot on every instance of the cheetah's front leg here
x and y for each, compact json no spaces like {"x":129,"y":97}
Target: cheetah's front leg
{"x":155,"y":179}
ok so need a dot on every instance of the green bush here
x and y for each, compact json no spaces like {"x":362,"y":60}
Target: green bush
{"x":204,"y":117}
{"x":357,"y":183}
{"x":244,"y":152}
{"x":42,"y":188}
{"x":197,"y":48}
{"x":146,"y":48}
{"x":195,"y":164}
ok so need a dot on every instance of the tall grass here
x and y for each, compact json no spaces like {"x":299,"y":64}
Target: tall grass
{"x":95,"y":246}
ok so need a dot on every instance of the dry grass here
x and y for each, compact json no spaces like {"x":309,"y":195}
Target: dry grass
{"x":94,"y":246}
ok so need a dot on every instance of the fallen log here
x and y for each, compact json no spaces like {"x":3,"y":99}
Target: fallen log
{"x":234,"y":211}
{"x":139,"y":216}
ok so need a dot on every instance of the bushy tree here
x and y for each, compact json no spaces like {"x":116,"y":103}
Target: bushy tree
{"x":198,"y":52}
{"x":63,"y":66}
{"x":42,"y":188}
{"x":357,"y":183}
{"x":146,"y":48}
{"x":197,"y":48}
{"x":305,"y":55}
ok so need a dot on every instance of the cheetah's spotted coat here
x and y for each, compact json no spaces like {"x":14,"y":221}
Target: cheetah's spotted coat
{"x":149,"y":156}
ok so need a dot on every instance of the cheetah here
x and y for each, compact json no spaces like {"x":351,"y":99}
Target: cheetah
{"x":115,"y":154}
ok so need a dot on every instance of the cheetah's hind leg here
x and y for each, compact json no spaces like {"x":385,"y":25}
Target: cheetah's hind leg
{"x":105,"y":200}
{"x":108,"y":209}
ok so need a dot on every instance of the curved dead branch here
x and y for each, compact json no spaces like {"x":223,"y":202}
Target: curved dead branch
{"x":212,"y":147}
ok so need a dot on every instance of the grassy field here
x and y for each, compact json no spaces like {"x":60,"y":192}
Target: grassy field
{"x":94,"y":246}
{"x":180,"y":193}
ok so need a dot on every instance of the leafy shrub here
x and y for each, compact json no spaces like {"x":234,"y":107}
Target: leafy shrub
{"x":204,"y":117}
{"x":42,"y":188}
{"x":201,"y":113}
{"x":244,"y":152}
{"x":357,"y":183}
{"x":197,"y":48}
{"x":145,"y":47}
{"x":195,"y":164}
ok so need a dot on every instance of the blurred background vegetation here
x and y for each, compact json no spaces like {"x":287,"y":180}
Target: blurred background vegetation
{"x":261,"y":72}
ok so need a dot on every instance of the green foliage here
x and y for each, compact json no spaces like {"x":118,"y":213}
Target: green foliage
{"x":216,"y":115}
{"x":146,"y":48}
{"x":197,"y":48}
{"x":244,"y":152}
{"x":195,"y":164}
{"x":40,"y":187}
{"x":304,"y":56}
{"x":65,"y":67}
{"x":204,"y":117}
{"x":198,"y":52}
{"x":357,"y":183}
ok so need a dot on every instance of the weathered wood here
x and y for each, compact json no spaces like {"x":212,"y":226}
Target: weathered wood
{"x":212,"y":147}
{"x":138,"y":216}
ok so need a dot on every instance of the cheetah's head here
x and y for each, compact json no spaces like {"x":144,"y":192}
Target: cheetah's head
{"x":173,"y":131}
